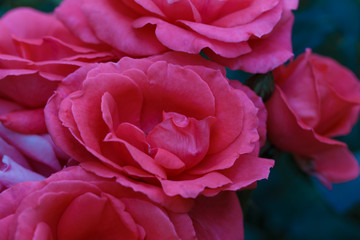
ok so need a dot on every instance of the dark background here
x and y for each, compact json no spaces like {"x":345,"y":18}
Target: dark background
{"x":291,"y":205}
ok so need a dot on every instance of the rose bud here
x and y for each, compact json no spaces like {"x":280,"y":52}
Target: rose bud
{"x":315,"y":98}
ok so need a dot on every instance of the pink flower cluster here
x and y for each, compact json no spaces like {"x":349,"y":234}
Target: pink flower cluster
{"x":114,"y":127}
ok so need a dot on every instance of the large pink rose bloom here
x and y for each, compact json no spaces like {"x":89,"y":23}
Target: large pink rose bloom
{"x":160,"y":123}
{"x":252,"y":35}
{"x":74,"y":204}
{"x":315,"y":99}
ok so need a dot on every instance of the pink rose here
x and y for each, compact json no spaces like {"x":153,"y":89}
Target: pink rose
{"x":74,"y":204}
{"x":315,"y":99}
{"x":160,"y":123}
{"x":252,"y":35}
{"x":36,"y":52}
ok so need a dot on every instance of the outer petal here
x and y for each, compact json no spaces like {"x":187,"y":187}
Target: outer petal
{"x":63,"y":136}
{"x":225,"y":221}
{"x":120,"y":34}
{"x":33,"y":146}
{"x":27,"y":122}
{"x":261,"y":114}
{"x":13,"y":173}
{"x":239,"y":33}
{"x":191,"y":188}
{"x":267,"y":52}
{"x":70,"y":13}
{"x":25,"y":88}
{"x":246,"y":171}
{"x":155,"y":193}
{"x":189,"y":41}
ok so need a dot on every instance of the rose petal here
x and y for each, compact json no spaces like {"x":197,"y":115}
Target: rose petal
{"x":186,"y":94}
{"x":187,"y":138}
{"x":263,"y":24}
{"x":79,"y":221}
{"x":266,"y":53}
{"x":123,"y":36}
{"x":214,"y":224}
{"x":189,"y":41}
{"x":191,"y":188}
{"x":26,"y":122}
{"x":33,"y":146}
{"x":155,"y":193}
{"x":13,"y":173}
{"x":13,"y":153}
{"x":144,"y":213}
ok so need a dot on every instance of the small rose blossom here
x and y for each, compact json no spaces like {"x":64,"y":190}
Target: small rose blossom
{"x":252,"y":35}
{"x":315,"y":99}
{"x":75,"y":204}
{"x":36,"y":53}
{"x":171,"y":122}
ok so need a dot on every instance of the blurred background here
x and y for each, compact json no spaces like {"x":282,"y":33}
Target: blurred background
{"x":291,"y":205}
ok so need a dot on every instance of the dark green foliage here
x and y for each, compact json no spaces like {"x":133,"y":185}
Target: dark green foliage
{"x":262,"y":85}
{"x":43,"y":5}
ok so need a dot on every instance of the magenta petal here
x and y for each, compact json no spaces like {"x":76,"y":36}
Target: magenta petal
{"x":77,"y":23}
{"x":187,"y":138}
{"x":155,"y":193}
{"x":103,"y":215}
{"x":337,"y":164}
{"x":168,"y":160}
{"x":26,"y":121}
{"x":33,"y":146}
{"x":146,"y":162}
{"x":30,"y":90}
{"x":144,"y":214}
{"x":261,"y":114}
{"x":89,"y":119}
{"x":246,"y":15}
{"x":185,"y":94}
{"x":42,"y":232}
{"x":32,"y":24}
{"x":183,"y":225}
{"x":196,"y":62}
{"x":149,"y":5}
{"x":247,"y":170}
{"x":237,"y":34}
{"x":235,"y":118}
{"x":12,"y":173}
{"x":110,"y":112}
{"x":133,"y":135}
{"x":8,"y":106}
{"x":13,"y":153}
{"x":6,"y":43}
{"x":267,"y":52}
{"x":224,"y":221}
{"x":120,"y":33}
{"x":184,"y":37}
{"x":193,"y":187}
